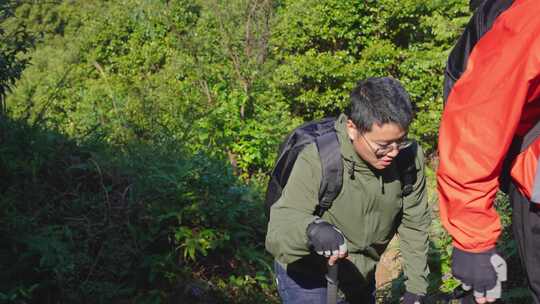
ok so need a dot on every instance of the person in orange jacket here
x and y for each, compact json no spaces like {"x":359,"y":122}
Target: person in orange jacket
{"x":489,"y":139}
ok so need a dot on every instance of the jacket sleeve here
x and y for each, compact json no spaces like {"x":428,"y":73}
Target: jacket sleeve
{"x":413,"y":232}
{"x":481,"y":117}
{"x":286,"y":238}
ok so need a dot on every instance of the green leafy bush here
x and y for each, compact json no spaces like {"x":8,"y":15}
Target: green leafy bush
{"x":83,"y":224}
{"x":138,"y":134}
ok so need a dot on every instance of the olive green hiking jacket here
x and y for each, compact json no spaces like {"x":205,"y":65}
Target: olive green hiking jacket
{"x":369,"y":211}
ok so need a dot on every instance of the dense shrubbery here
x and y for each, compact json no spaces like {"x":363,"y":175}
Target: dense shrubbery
{"x":228,"y":76}
{"x":138,"y":134}
{"x":78,"y":225}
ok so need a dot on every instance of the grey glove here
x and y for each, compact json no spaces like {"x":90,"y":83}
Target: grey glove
{"x":483,"y":272}
{"x":325,"y":238}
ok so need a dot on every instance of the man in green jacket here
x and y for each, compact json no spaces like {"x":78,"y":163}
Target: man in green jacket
{"x":366,"y":214}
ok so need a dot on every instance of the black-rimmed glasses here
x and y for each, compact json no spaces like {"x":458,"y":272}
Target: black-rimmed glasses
{"x":382,"y":150}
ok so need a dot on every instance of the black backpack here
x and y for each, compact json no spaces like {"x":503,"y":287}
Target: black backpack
{"x":324,"y":135}
{"x":518,"y":145}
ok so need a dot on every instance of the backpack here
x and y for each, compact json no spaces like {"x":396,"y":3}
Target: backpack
{"x":324,"y":135}
{"x":518,"y":145}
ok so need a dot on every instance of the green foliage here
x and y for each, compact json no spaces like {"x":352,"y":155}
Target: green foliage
{"x":229,"y":77}
{"x":14,"y":41}
{"x":327,"y":46}
{"x":140,"y":133}
{"x":86,"y":225}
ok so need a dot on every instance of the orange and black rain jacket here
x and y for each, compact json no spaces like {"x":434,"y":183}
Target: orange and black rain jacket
{"x":492,"y":105}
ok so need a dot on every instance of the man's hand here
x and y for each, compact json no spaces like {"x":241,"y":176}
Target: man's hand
{"x":411,"y":298}
{"x":326,"y":240}
{"x":483,"y":272}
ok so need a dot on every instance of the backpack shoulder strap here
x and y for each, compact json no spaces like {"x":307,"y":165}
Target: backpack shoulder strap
{"x":407,"y":168}
{"x":324,"y":135}
{"x":519,"y":144}
{"x":332,"y":171}
{"x":530,"y":137}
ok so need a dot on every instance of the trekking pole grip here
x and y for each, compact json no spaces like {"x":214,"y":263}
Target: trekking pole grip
{"x":332,"y":284}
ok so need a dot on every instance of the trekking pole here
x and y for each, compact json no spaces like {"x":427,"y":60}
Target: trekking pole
{"x":332,"y":284}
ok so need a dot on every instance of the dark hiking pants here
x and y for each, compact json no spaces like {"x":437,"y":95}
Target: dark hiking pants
{"x":298,"y":288}
{"x":526,"y":229}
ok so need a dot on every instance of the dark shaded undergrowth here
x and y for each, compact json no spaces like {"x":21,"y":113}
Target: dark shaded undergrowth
{"x":89,"y":223}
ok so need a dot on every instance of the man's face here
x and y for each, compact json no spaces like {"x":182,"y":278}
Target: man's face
{"x":379,"y":146}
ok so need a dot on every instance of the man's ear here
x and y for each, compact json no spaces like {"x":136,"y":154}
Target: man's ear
{"x":352,"y":130}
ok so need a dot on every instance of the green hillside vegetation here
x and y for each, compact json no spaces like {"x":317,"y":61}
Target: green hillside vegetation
{"x":136,"y":136}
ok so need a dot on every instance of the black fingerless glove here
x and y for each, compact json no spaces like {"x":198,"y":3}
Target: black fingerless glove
{"x":474,"y":269}
{"x":325,"y":238}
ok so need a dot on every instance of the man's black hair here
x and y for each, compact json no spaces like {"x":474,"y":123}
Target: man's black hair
{"x":379,"y":101}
